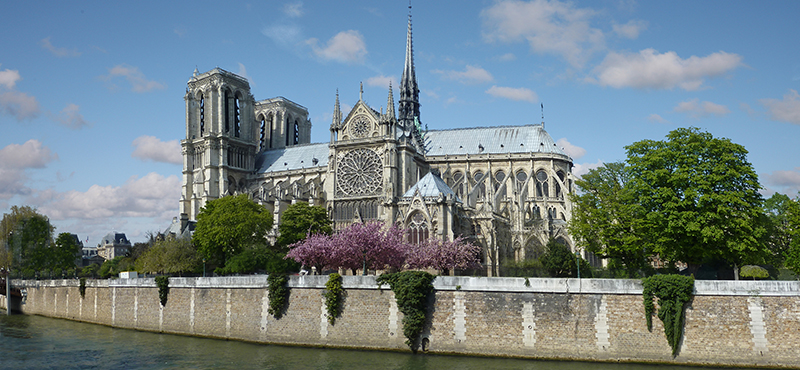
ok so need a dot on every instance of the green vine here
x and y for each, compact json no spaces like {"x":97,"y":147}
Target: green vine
{"x":278,"y":294}
{"x":162,"y":282}
{"x":411,"y":290}
{"x":673,"y":292}
{"x":334,"y":295}
{"x":82,"y":288}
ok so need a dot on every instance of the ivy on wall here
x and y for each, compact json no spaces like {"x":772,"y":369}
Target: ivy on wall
{"x":278,"y":294}
{"x":162,"y":282}
{"x":82,"y":288}
{"x":673,"y":292}
{"x":411,"y":290}
{"x":334,"y":296}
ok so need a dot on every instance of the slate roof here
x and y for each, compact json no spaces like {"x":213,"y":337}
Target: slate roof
{"x":491,"y":140}
{"x":293,"y":158}
{"x":115,"y":238}
{"x":430,"y":185}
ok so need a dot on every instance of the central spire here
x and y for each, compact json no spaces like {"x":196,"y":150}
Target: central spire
{"x":409,"y":77}
{"x":408,"y":107}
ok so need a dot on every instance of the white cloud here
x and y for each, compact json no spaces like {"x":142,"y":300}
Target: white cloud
{"x":149,"y":148}
{"x":629,"y":30}
{"x":381,"y":81}
{"x":71,"y":117}
{"x":59,"y":52}
{"x":573,"y":151}
{"x":293,"y":9}
{"x":138,"y":81}
{"x":346,"y":47}
{"x":518,"y":94}
{"x":9,"y":78}
{"x":283,"y":34}
{"x":31,"y":154}
{"x":697,"y":109}
{"x":19,"y":104}
{"x":551,"y":27}
{"x":581,"y":169}
{"x":150,"y":196}
{"x":650,"y":70}
{"x":507,"y":57}
{"x":470,"y":75}
{"x":243,"y":72}
{"x":656,"y":118}
{"x":787,"y":182}
{"x":786,"y":110}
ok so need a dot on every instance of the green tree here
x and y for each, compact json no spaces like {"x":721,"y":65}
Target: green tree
{"x":606,"y":218}
{"x":227,"y":226}
{"x":300,"y":220}
{"x":793,"y":230}
{"x":776,"y":221}
{"x":67,"y":250}
{"x":26,"y":236}
{"x":170,"y":256}
{"x":701,"y":199}
{"x":560,"y":262}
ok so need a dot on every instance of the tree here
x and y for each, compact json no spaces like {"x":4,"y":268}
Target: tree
{"x":226,"y":226}
{"x":171,"y":256}
{"x":67,"y":250}
{"x":26,"y":235}
{"x":776,"y":220}
{"x":444,"y":255}
{"x":560,"y":261}
{"x":370,"y":247}
{"x":316,"y":250}
{"x":793,"y":230}
{"x":606,"y":218}
{"x":300,"y":220}
{"x":700,"y":196}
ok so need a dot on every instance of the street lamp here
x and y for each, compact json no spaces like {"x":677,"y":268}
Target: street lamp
{"x":204,"y":267}
{"x":578,"y":262}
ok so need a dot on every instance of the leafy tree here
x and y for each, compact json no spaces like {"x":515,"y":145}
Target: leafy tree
{"x":444,"y":255}
{"x":776,"y":221}
{"x":316,"y":250}
{"x":560,"y":261}
{"x":27,"y":236}
{"x":369,"y":246}
{"x":606,"y":218}
{"x":91,"y":270}
{"x":300,"y":220}
{"x":172,"y":256}
{"x":111,"y":267}
{"x":793,"y":230}
{"x":228,"y":225}
{"x":700,"y":196}
{"x":66,"y":251}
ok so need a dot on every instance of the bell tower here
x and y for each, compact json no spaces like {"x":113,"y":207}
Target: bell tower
{"x":221,"y":138}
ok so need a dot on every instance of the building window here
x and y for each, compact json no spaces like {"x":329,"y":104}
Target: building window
{"x":417,"y":229}
{"x":481,"y":192}
{"x":202,"y":114}
{"x":542,"y":188}
{"x":296,"y":132}
{"x":458,"y":186}
{"x":263,"y":133}
{"x":499,"y":189}
{"x":237,"y":119}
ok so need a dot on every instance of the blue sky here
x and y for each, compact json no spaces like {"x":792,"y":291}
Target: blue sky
{"x":91,"y":93}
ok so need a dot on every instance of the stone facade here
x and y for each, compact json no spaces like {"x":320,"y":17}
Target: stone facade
{"x":727,"y":323}
{"x":505,"y":188}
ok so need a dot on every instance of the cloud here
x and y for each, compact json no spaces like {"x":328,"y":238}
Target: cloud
{"x":243,"y":72}
{"x":20,"y":105}
{"x":15,"y":159}
{"x":293,"y":9}
{"x":381,"y":81}
{"x":149,"y":148}
{"x":59,"y":52}
{"x":650,"y":70}
{"x":787,"y":181}
{"x":507,"y":57}
{"x":697,"y":109}
{"x":470,"y":75}
{"x":518,"y":94}
{"x":573,"y":151}
{"x":346,"y":47}
{"x":9,"y":78}
{"x":629,"y":30}
{"x":283,"y":34}
{"x":581,"y":169}
{"x":786,"y":110}
{"x":150,"y":196}
{"x":656,"y":118}
{"x":138,"y":81}
{"x":71,"y":117}
{"x":550,"y":27}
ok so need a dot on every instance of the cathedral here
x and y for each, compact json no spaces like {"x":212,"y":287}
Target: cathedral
{"x":505,"y":188}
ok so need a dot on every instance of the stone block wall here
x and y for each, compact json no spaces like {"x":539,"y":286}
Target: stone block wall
{"x":727,"y":323}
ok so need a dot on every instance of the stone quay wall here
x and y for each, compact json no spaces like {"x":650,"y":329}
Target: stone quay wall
{"x":740,"y":323}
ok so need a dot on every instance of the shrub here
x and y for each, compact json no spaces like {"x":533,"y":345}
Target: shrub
{"x":163,"y":288}
{"x":278,"y":294}
{"x":673,"y":292}
{"x":334,"y":296}
{"x":411,"y":290}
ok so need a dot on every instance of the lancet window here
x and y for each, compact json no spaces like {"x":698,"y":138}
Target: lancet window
{"x":417,"y":228}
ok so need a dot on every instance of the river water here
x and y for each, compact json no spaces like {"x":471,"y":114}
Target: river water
{"x":35,"y":342}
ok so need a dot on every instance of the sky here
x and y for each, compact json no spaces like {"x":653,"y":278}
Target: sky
{"x":91,"y":92}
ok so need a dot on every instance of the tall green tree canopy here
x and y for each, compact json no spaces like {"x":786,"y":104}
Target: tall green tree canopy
{"x":67,"y":250}
{"x":25,"y":235}
{"x":606,"y":218}
{"x":300,"y":220}
{"x":793,"y":231}
{"x":228,"y":225}
{"x":701,"y":198}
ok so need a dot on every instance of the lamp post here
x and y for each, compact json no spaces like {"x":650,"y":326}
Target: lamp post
{"x":5,"y":273}
{"x":578,"y":262}
{"x":204,"y":267}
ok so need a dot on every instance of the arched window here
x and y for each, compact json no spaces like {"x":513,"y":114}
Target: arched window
{"x":227,"y":112}
{"x":417,"y":228}
{"x":262,"y":138}
{"x":296,"y":132}
{"x":542,"y":188}
{"x":521,"y":178}
{"x":287,"y":132}
{"x":270,"y":127}
{"x":499,"y":189}
{"x":458,"y":185}
{"x":202,"y":114}
{"x":481,"y":192}
{"x":237,"y":119}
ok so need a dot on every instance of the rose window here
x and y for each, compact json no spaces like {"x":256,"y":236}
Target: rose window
{"x":359,"y":172}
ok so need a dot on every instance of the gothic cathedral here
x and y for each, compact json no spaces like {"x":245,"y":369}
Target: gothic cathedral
{"x":504,"y":187}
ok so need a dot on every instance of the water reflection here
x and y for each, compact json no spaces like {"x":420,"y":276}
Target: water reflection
{"x":41,"y":343}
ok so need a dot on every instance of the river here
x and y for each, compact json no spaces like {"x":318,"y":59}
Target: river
{"x":35,"y":342}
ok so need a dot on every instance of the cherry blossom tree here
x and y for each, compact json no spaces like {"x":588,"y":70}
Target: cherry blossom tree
{"x":444,"y":255}
{"x":316,"y":250}
{"x":369,"y":246}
